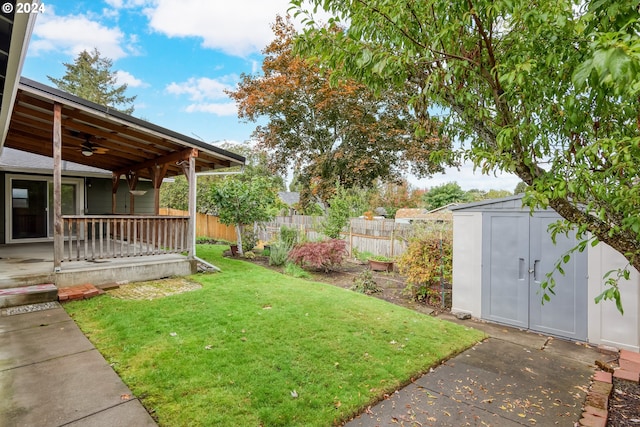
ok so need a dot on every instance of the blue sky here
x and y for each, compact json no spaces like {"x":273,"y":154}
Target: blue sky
{"x":178,"y":57}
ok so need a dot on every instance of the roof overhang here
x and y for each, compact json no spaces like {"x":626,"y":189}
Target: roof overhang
{"x":125,"y":143}
{"x":15,"y":32}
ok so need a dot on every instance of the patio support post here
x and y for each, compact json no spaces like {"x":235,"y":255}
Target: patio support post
{"x":132,"y":181}
{"x":58,"y":232}
{"x":157,"y":173}
{"x":191,"y":234}
{"x":115,"y":181}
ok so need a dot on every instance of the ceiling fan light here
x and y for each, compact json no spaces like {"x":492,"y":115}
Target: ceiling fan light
{"x":87,"y":152}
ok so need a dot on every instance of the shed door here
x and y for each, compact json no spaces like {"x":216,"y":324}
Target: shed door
{"x":517,"y":255}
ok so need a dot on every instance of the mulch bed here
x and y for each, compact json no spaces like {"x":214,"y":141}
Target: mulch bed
{"x":392,"y":285}
{"x":624,"y":404}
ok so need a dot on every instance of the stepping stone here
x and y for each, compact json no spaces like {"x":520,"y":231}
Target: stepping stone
{"x":23,"y":295}
{"x":78,"y":292}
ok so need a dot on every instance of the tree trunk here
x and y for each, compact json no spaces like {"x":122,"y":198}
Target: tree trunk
{"x":239,"y":239}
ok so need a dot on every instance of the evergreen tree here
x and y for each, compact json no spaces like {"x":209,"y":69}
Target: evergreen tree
{"x":90,"y":77}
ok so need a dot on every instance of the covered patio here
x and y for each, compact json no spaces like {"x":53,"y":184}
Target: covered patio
{"x":26,"y":264}
{"x":64,"y":128}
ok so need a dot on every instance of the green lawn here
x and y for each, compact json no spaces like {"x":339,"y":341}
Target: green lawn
{"x":232,"y":353}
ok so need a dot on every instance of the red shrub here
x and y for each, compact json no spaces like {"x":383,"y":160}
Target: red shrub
{"x":321,"y":255}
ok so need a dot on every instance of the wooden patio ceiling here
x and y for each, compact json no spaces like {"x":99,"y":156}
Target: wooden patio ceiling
{"x":120,"y":143}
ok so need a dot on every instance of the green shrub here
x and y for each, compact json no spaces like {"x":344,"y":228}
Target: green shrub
{"x":380,"y":258}
{"x":278,"y":254}
{"x":266,"y":252}
{"x":289,"y":236}
{"x":249,"y":239}
{"x":291,"y":269}
{"x":365,"y":283}
{"x":427,"y":263}
{"x":362,"y":256}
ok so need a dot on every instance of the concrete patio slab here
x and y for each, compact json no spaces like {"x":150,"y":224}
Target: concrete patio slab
{"x":34,"y":319}
{"x":24,"y":347}
{"x":51,"y":375}
{"x":514,"y":378}
{"x":120,"y":415}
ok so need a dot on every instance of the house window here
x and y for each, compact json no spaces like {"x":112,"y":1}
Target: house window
{"x":20,"y":197}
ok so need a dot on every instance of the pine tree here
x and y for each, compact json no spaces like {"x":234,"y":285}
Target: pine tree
{"x":90,"y":77}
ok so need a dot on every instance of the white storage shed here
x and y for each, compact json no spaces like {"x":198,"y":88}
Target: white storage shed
{"x":501,"y":255}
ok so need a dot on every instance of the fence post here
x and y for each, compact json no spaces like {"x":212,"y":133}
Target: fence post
{"x":351,"y":237}
{"x":393,"y":239}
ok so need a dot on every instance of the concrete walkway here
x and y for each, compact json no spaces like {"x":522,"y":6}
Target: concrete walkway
{"x":51,"y":375}
{"x":514,"y":378}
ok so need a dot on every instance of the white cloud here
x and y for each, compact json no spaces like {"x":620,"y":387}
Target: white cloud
{"x":74,"y":33}
{"x":218,"y":109}
{"x":468,"y":179}
{"x":126,"y":4}
{"x":201,"y":88}
{"x":124,"y":77}
{"x":238,"y":28}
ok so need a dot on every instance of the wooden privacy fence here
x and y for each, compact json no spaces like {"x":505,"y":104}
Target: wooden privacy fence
{"x":379,"y":236}
{"x":206,"y":225}
{"x":117,"y":236}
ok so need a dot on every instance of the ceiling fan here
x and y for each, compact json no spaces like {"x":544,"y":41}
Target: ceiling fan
{"x":89,"y":149}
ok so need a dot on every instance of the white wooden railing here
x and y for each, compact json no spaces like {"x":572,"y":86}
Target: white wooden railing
{"x":94,"y":237}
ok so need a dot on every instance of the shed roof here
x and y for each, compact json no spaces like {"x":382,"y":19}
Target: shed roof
{"x":512,"y":203}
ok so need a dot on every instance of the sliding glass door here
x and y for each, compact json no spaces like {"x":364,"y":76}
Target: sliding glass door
{"x":28,"y":209}
{"x":69,"y":202}
{"x":31,"y":205}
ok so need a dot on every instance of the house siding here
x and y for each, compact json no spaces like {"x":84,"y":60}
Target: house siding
{"x":99,"y":197}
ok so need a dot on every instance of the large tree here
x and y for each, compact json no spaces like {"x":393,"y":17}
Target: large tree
{"x":90,"y":77}
{"x":548,"y":90}
{"x":345,"y":133}
{"x":396,"y":195}
{"x":445,"y":194}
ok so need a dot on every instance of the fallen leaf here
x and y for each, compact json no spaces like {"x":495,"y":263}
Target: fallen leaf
{"x":173,"y":334}
{"x":207,"y":347}
{"x":294,"y":394}
{"x":125,"y":396}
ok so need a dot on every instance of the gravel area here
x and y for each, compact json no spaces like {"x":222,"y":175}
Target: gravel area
{"x":10,"y":311}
